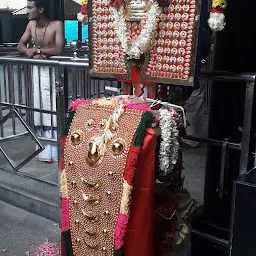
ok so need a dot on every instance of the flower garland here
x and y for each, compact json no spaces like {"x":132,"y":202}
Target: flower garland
{"x":169,"y":146}
{"x":82,"y":16}
{"x":216,"y":20}
{"x":134,"y":49}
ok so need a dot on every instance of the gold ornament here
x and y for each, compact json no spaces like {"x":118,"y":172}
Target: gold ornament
{"x":90,"y":246}
{"x":90,"y":233}
{"x":93,"y":158}
{"x":92,"y":186}
{"x":89,"y":123}
{"x":112,"y":128}
{"x":106,"y":213}
{"x":110,"y":174}
{"x":118,"y":147}
{"x":88,"y":216}
{"x":76,"y":138}
{"x":102,"y":125}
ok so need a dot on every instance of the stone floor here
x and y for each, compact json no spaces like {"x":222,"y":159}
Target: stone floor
{"x":22,"y":232}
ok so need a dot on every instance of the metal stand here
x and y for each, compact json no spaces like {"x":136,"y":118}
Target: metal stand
{"x":205,"y":233}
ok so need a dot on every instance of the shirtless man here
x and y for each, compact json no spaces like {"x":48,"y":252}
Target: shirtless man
{"x":48,"y":36}
{"x":48,"y":40}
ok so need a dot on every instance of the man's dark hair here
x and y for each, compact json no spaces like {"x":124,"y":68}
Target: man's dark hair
{"x":42,"y":4}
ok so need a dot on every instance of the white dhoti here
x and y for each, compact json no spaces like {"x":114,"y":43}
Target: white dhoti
{"x":45,"y":99}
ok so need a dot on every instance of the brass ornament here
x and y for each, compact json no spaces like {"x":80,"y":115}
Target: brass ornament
{"x":90,"y":233}
{"x":76,"y":138}
{"x":90,"y":245}
{"x":89,"y":123}
{"x":93,"y":186}
{"x":106,"y":213}
{"x":89,"y":216}
{"x":112,"y":127}
{"x":118,"y":147}
{"x":93,"y":158}
{"x":73,"y":183}
{"x":110,"y":174}
{"x":103,"y":123}
{"x":90,"y":199}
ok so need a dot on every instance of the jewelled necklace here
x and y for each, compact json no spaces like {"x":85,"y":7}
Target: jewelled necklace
{"x":39,"y":45}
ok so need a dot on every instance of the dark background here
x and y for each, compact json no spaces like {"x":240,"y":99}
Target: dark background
{"x":235,"y":52}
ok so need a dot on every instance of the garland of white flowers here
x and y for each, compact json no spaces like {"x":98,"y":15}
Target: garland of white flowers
{"x":101,"y":142}
{"x":135,"y":48}
{"x":216,"y":19}
{"x":82,"y":16}
{"x":169,"y":146}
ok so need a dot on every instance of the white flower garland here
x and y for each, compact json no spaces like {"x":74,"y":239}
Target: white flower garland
{"x":134,"y":48}
{"x":217,"y":21}
{"x":82,"y":18}
{"x":169,"y":146}
{"x":101,"y":142}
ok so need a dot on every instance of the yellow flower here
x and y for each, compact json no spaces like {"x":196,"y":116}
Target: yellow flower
{"x":221,"y":3}
{"x":84,"y":2}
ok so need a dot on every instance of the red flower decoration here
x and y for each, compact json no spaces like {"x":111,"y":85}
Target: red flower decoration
{"x":116,"y":4}
{"x":84,"y":10}
{"x":218,"y":10}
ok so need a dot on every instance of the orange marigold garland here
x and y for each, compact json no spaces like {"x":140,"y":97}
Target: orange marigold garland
{"x":217,"y":20}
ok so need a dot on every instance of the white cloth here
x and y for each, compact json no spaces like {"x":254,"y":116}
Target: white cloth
{"x":50,"y":152}
{"x":44,"y":96}
{"x":45,"y":99}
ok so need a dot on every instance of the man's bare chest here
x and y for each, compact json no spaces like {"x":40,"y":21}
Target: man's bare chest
{"x":43,"y":36}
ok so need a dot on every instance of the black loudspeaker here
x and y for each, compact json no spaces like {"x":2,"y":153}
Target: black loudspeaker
{"x":243,"y":222}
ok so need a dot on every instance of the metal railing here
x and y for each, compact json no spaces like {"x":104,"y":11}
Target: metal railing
{"x":38,"y":92}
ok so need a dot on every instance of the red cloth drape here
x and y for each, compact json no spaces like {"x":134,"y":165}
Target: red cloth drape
{"x":139,"y":240}
{"x":135,"y":76}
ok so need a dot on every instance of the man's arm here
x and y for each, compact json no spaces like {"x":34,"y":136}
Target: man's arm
{"x":22,"y":46}
{"x":57,"y":48}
